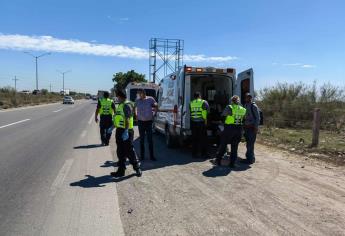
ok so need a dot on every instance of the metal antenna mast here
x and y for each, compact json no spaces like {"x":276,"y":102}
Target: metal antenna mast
{"x":166,"y":56}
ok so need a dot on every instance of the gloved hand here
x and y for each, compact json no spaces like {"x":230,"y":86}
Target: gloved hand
{"x":125,"y":135}
{"x":110,"y":129}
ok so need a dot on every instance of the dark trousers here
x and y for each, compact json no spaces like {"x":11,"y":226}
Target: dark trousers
{"x":145,"y":129}
{"x":231,"y":135}
{"x":250,"y":137}
{"x":199,"y":138}
{"x":125,"y":149}
{"x":104,"y":124}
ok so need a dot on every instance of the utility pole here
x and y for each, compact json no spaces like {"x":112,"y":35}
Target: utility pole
{"x":36,"y":60}
{"x":15,"y":83}
{"x":50,"y":87}
{"x":316,"y":128}
{"x":63,"y":79}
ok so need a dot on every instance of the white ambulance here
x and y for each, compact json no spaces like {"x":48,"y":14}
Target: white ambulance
{"x":151,"y":89}
{"x":216,"y":85}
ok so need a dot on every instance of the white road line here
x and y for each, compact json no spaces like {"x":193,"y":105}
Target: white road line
{"x":83,"y":134}
{"x":58,"y":110}
{"x":61,"y":176}
{"x":91,"y":118}
{"x":21,"y":121}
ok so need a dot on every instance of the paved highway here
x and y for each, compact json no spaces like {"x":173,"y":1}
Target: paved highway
{"x":44,"y":152}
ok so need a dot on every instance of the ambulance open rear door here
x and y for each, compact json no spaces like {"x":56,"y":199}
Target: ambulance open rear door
{"x":244,"y":84}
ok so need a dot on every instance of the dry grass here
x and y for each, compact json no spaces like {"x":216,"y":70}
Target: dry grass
{"x":331,"y":146}
{"x":10,"y":99}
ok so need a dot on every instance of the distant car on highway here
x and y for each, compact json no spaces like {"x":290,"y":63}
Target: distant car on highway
{"x":68,"y":100}
{"x":25,"y":92}
{"x":36,"y":92}
{"x":94,"y":97}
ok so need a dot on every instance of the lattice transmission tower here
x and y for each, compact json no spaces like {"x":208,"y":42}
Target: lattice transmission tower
{"x":166,"y":57}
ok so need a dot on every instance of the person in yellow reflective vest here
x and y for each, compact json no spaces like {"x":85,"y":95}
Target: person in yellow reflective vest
{"x":123,"y":122}
{"x":198,"y":120}
{"x":233,"y":125}
{"x":106,"y":109}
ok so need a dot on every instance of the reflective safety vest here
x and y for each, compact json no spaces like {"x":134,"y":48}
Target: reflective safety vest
{"x":119,"y":118}
{"x":196,"y":110}
{"x":238,"y":113}
{"x":106,"y":108}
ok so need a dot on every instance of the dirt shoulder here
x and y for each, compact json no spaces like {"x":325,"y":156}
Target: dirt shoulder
{"x":280,"y":194}
{"x":331,"y":146}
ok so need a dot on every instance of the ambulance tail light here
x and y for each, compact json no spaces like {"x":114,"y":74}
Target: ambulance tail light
{"x":188,"y":69}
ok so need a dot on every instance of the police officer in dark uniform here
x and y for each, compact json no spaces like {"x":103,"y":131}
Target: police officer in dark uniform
{"x":198,"y":117}
{"x":234,"y":115}
{"x":106,"y":109}
{"x":123,"y":121}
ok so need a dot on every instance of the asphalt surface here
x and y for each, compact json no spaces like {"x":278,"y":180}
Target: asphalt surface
{"x":48,"y":154}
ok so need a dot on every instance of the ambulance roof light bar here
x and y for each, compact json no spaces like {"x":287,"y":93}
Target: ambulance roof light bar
{"x":209,"y":69}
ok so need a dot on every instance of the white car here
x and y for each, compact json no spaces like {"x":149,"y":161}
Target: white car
{"x":68,"y":100}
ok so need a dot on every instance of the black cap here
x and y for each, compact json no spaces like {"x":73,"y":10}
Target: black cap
{"x":197,"y":94}
{"x":106,"y":94}
{"x":249,"y":95}
{"x":120,"y":93}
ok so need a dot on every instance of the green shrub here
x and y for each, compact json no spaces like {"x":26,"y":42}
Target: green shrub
{"x":292,"y":105}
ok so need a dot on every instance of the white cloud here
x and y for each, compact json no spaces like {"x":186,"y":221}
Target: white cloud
{"x":300,"y":65}
{"x":308,"y":66}
{"x":51,"y":44}
{"x":203,"y":58}
{"x":292,"y":64}
{"x":118,"y":20}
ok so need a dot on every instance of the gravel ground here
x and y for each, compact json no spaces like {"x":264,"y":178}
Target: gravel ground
{"x":281,"y":194}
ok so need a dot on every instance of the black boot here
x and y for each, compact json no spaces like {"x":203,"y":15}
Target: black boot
{"x":217,"y":161}
{"x":138,"y":172}
{"x":119,"y":173}
{"x":232,"y":165}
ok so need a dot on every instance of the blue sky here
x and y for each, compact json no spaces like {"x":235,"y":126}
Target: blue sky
{"x":283,"y":41}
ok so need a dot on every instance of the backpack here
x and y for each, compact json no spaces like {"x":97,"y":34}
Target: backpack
{"x":260,"y":113}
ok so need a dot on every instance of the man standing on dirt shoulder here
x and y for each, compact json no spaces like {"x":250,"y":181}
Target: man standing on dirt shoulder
{"x":251,"y":125}
{"x":198,"y":116}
